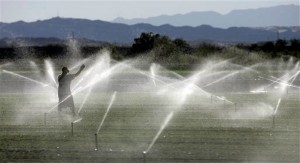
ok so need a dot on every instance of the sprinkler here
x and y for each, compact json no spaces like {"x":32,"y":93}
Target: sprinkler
{"x":72,"y":124}
{"x":162,"y":127}
{"x":96,"y":141}
{"x":103,"y":119}
{"x":108,"y":108}
{"x":27,"y":78}
{"x":274,"y":113}
{"x":144,"y":156}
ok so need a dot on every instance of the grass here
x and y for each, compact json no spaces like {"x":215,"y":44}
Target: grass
{"x":198,"y":132}
{"x":203,"y":129}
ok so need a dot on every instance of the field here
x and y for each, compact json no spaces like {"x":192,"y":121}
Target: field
{"x":204,"y":128}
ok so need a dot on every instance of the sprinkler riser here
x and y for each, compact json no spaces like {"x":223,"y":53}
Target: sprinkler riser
{"x":96,"y":141}
{"x":72,"y":131}
{"x":144,"y":157}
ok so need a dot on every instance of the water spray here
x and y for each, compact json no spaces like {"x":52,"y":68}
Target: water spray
{"x":84,"y":76}
{"x":27,"y":78}
{"x":163,"y":126}
{"x":194,"y":78}
{"x":97,"y":79}
{"x":224,"y":77}
{"x":279,"y":81}
{"x":294,"y":77}
{"x":104,"y":117}
{"x":144,"y":156}
{"x":84,"y":100}
{"x":79,"y":64}
{"x":5,"y":64}
{"x":224,"y":99}
{"x":50,"y":71}
{"x":275,"y":111}
{"x":152,"y":69}
{"x":72,"y":125}
{"x":277,"y":106}
{"x":78,"y":90}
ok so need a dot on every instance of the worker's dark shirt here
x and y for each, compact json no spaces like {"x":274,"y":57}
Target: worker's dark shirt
{"x":65,"y":83}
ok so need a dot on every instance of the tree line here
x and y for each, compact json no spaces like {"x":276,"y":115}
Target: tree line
{"x":174,"y":53}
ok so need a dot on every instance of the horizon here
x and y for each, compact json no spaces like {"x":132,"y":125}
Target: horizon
{"x":24,"y":10}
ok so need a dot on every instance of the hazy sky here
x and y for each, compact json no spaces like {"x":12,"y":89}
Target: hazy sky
{"x":28,"y":10}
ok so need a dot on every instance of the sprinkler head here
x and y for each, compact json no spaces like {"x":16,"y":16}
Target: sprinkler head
{"x":144,"y":156}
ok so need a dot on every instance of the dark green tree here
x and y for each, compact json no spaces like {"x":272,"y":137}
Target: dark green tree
{"x":295,"y":45}
{"x":280,"y":45}
{"x":182,"y":45}
{"x":267,"y":46}
{"x":144,"y":43}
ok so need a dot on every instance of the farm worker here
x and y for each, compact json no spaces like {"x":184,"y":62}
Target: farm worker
{"x":64,"y":93}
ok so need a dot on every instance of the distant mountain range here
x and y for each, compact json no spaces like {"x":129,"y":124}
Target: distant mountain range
{"x":63,"y":28}
{"x":285,"y":15}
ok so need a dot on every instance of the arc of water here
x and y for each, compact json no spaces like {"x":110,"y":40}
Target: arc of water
{"x":107,"y":110}
{"x":195,"y":76}
{"x":153,"y":73}
{"x":79,"y":64}
{"x":163,"y":126}
{"x":277,"y":106}
{"x":76,"y":121}
{"x":79,"y":89}
{"x":93,"y":82}
{"x":64,"y":100}
{"x":85,"y":99}
{"x":294,"y":77}
{"x":88,"y":72}
{"x":193,"y":79}
{"x":5,"y":64}
{"x":27,"y":78}
{"x":282,"y":83}
{"x":50,"y":71}
{"x":231,"y":74}
{"x":224,"y":77}
{"x":280,"y":79}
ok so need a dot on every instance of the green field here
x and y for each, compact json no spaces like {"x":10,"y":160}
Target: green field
{"x":245,"y":127}
{"x":201,"y":130}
